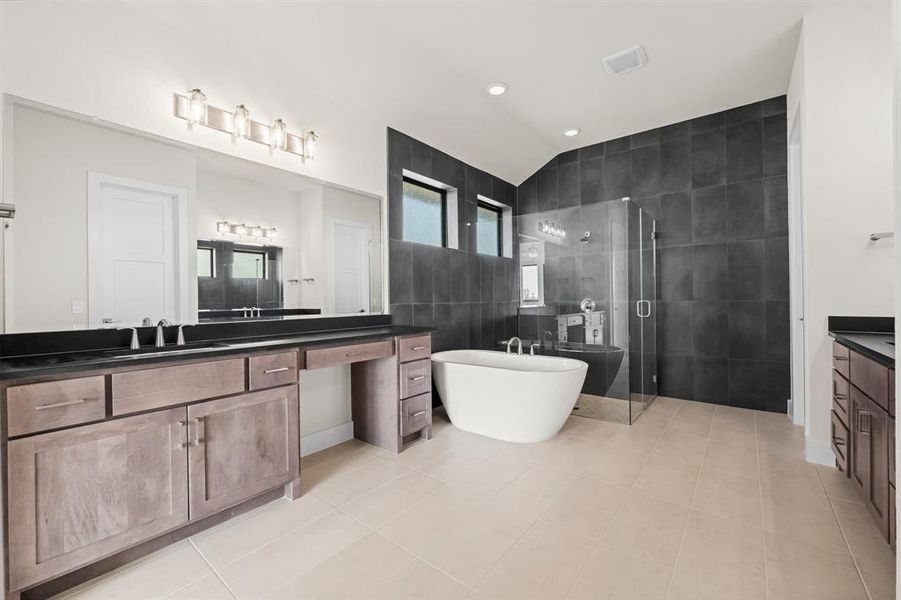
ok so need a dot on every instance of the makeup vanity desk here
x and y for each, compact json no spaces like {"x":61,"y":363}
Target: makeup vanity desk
{"x":112,"y":454}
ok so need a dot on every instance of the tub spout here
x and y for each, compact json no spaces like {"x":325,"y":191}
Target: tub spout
{"x":532,"y":349}
{"x":518,"y":345}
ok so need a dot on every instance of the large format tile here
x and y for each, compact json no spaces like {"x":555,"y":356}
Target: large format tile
{"x":649,"y":529}
{"x":542,"y":565}
{"x":156,"y":576}
{"x":732,"y":458}
{"x":612,"y":575}
{"x":343,"y":489}
{"x":380,"y":505}
{"x":729,"y":496}
{"x":586,"y":506}
{"x":619,"y":467}
{"x":719,"y":559}
{"x":808,"y":519}
{"x":668,"y":479}
{"x":250,"y":531}
{"x":796,"y":571}
{"x":265,"y":570}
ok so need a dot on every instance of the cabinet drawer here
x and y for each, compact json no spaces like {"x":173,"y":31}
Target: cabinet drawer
{"x":415,"y":413}
{"x":890,"y":431}
{"x":135,"y":391}
{"x":841,"y":390}
{"x":871,"y":378}
{"x":317,"y":358}
{"x":414,"y":348}
{"x":42,"y":406}
{"x":271,"y":370}
{"x":840,"y":358}
{"x":892,"y":517}
{"x":840,"y":444}
{"x":891,"y":392}
{"x":415,"y":378}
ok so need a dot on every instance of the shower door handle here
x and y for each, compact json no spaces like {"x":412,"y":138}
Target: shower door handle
{"x":638,"y":311}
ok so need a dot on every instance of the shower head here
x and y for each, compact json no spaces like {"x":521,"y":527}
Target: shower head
{"x":585,"y":237}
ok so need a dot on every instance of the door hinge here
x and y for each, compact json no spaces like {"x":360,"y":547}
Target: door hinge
{"x":655,"y":235}
{"x":654,"y":378}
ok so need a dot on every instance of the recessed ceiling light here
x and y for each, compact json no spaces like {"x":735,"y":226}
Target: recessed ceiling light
{"x":572,"y":132}
{"x":496,"y":89}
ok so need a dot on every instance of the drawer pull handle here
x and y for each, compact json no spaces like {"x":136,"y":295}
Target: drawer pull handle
{"x":349,"y":354}
{"x":417,"y":348}
{"x":417,"y":378}
{"x":416,"y":414}
{"x":840,"y":358}
{"x":182,"y":435}
{"x":278,"y":370}
{"x":839,"y":397}
{"x":61,"y":404}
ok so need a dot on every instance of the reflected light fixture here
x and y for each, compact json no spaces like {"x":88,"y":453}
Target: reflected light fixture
{"x":245,"y":230}
{"x":196,"y":106}
{"x":309,"y":145}
{"x":497,"y":89}
{"x":239,"y":229}
{"x":269,"y":232}
{"x":255,"y":231}
{"x":192,"y":107}
{"x":572,"y":132}
{"x":552,"y":229}
{"x":277,"y":134}
{"x":241,"y":126}
{"x":223,"y":227}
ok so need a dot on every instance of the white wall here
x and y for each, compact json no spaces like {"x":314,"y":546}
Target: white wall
{"x":841,"y":87}
{"x":48,"y":266}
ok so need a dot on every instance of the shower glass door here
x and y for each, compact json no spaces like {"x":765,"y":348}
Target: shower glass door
{"x":647,"y":308}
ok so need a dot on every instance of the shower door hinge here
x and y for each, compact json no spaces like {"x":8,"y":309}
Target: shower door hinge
{"x":655,"y":235}
{"x":654,"y":378}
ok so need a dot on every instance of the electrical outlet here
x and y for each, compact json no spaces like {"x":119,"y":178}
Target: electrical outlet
{"x":78,"y":307}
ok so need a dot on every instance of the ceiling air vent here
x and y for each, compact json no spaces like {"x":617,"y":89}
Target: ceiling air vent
{"x":626,"y":60}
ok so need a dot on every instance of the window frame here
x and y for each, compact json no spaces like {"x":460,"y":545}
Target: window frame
{"x":499,"y":211}
{"x":212,"y":252}
{"x":440,"y":192}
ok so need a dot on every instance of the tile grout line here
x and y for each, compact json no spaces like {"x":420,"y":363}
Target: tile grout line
{"x":766,"y":562}
{"x":838,"y":522}
{"x":212,"y":568}
{"x":694,"y":492}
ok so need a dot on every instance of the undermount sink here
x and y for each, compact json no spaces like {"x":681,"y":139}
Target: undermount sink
{"x":171,"y":349}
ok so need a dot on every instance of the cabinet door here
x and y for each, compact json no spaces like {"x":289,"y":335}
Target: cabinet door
{"x":242,"y":447}
{"x":860,"y":443}
{"x":80,"y":494}
{"x":877,"y":499}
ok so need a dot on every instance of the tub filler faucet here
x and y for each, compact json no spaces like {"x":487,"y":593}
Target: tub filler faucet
{"x":518,"y":345}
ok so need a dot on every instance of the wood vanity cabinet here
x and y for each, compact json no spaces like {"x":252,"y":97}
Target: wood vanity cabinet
{"x":80,"y":494}
{"x":863,"y":431}
{"x":240,"y":447}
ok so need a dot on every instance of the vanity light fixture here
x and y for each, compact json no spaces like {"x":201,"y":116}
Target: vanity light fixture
{"x":551,"y":229}
{"x":269,"y":232}
{"x":255,"y":231}
{"x":223,"y":227}
{"x":497,"y":89}
{"x":241,"y":126}
{"x":572,"y":132}
{"x":197,"y":109}
{"x":193,"y":107}
{"x":277,"y":132}
{"x":245,"y":230}
{"x":239,"y":229}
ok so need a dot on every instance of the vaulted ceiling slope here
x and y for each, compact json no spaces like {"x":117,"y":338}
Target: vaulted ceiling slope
{"x":422,"y":67}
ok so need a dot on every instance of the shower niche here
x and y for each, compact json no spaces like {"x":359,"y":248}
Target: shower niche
{"x":588,"y":290}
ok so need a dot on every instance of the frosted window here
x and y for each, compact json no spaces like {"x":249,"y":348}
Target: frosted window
{"x":423,"y":214}
{"x":488,"y":240}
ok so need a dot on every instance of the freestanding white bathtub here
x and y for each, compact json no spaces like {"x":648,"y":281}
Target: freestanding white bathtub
{"x":510,"y":397}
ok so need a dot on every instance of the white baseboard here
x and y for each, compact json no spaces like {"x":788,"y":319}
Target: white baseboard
{"x":314,"y":442}
{"x":818,"y":452}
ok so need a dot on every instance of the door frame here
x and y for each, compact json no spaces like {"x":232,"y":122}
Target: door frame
{"x":330,"y":299}
{"x":797,"y":300}
{"x":96,"y":181}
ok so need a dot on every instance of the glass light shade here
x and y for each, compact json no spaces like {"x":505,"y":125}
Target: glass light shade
{"x":241,"y":127}
{"x":277,"y":134}
{"x":223,"y":227}
{"x":255,"y":231}
{"x":239,"y":229}
{"x":196,"y":106}
{"x":269,"y":233}
{"x":309,"y":145}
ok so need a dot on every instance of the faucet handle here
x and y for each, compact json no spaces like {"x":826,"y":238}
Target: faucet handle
{"x":180,"y":341}
{"x":135,"y":343}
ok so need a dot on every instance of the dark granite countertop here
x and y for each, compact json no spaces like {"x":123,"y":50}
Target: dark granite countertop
{"x":876,"y":346}
{"x":36,"y":365}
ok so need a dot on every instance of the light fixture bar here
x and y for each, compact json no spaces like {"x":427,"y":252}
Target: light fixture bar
{"x":224,"y":120}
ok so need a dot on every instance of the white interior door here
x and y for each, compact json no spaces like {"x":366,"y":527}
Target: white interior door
{"x":350,"y":267}
{"x":134,"y":255}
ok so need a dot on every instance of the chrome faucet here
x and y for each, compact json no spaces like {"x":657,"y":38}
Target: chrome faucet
{"x":532,"y":349}
{"x":518,"y":345}
{"x":135,"y":343}
{"x":180,"y":341}
{"x":160,"y":337}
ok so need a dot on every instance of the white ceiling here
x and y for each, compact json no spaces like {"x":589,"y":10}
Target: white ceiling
{"x":422,"y":67}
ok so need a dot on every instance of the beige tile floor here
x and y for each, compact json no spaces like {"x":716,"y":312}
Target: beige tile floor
{"x":694,"y":502}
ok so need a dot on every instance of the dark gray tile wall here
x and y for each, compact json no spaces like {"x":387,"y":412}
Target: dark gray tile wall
{"x":470,"y":298}
{"x":717,"y":187}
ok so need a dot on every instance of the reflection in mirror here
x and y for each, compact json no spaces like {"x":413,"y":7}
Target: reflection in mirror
{"x":115,"y":226}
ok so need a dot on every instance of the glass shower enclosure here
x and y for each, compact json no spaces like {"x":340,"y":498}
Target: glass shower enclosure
{"x":588,"y":283}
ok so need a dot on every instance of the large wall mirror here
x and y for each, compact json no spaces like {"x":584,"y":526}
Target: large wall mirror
{"x":115,"y":228}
